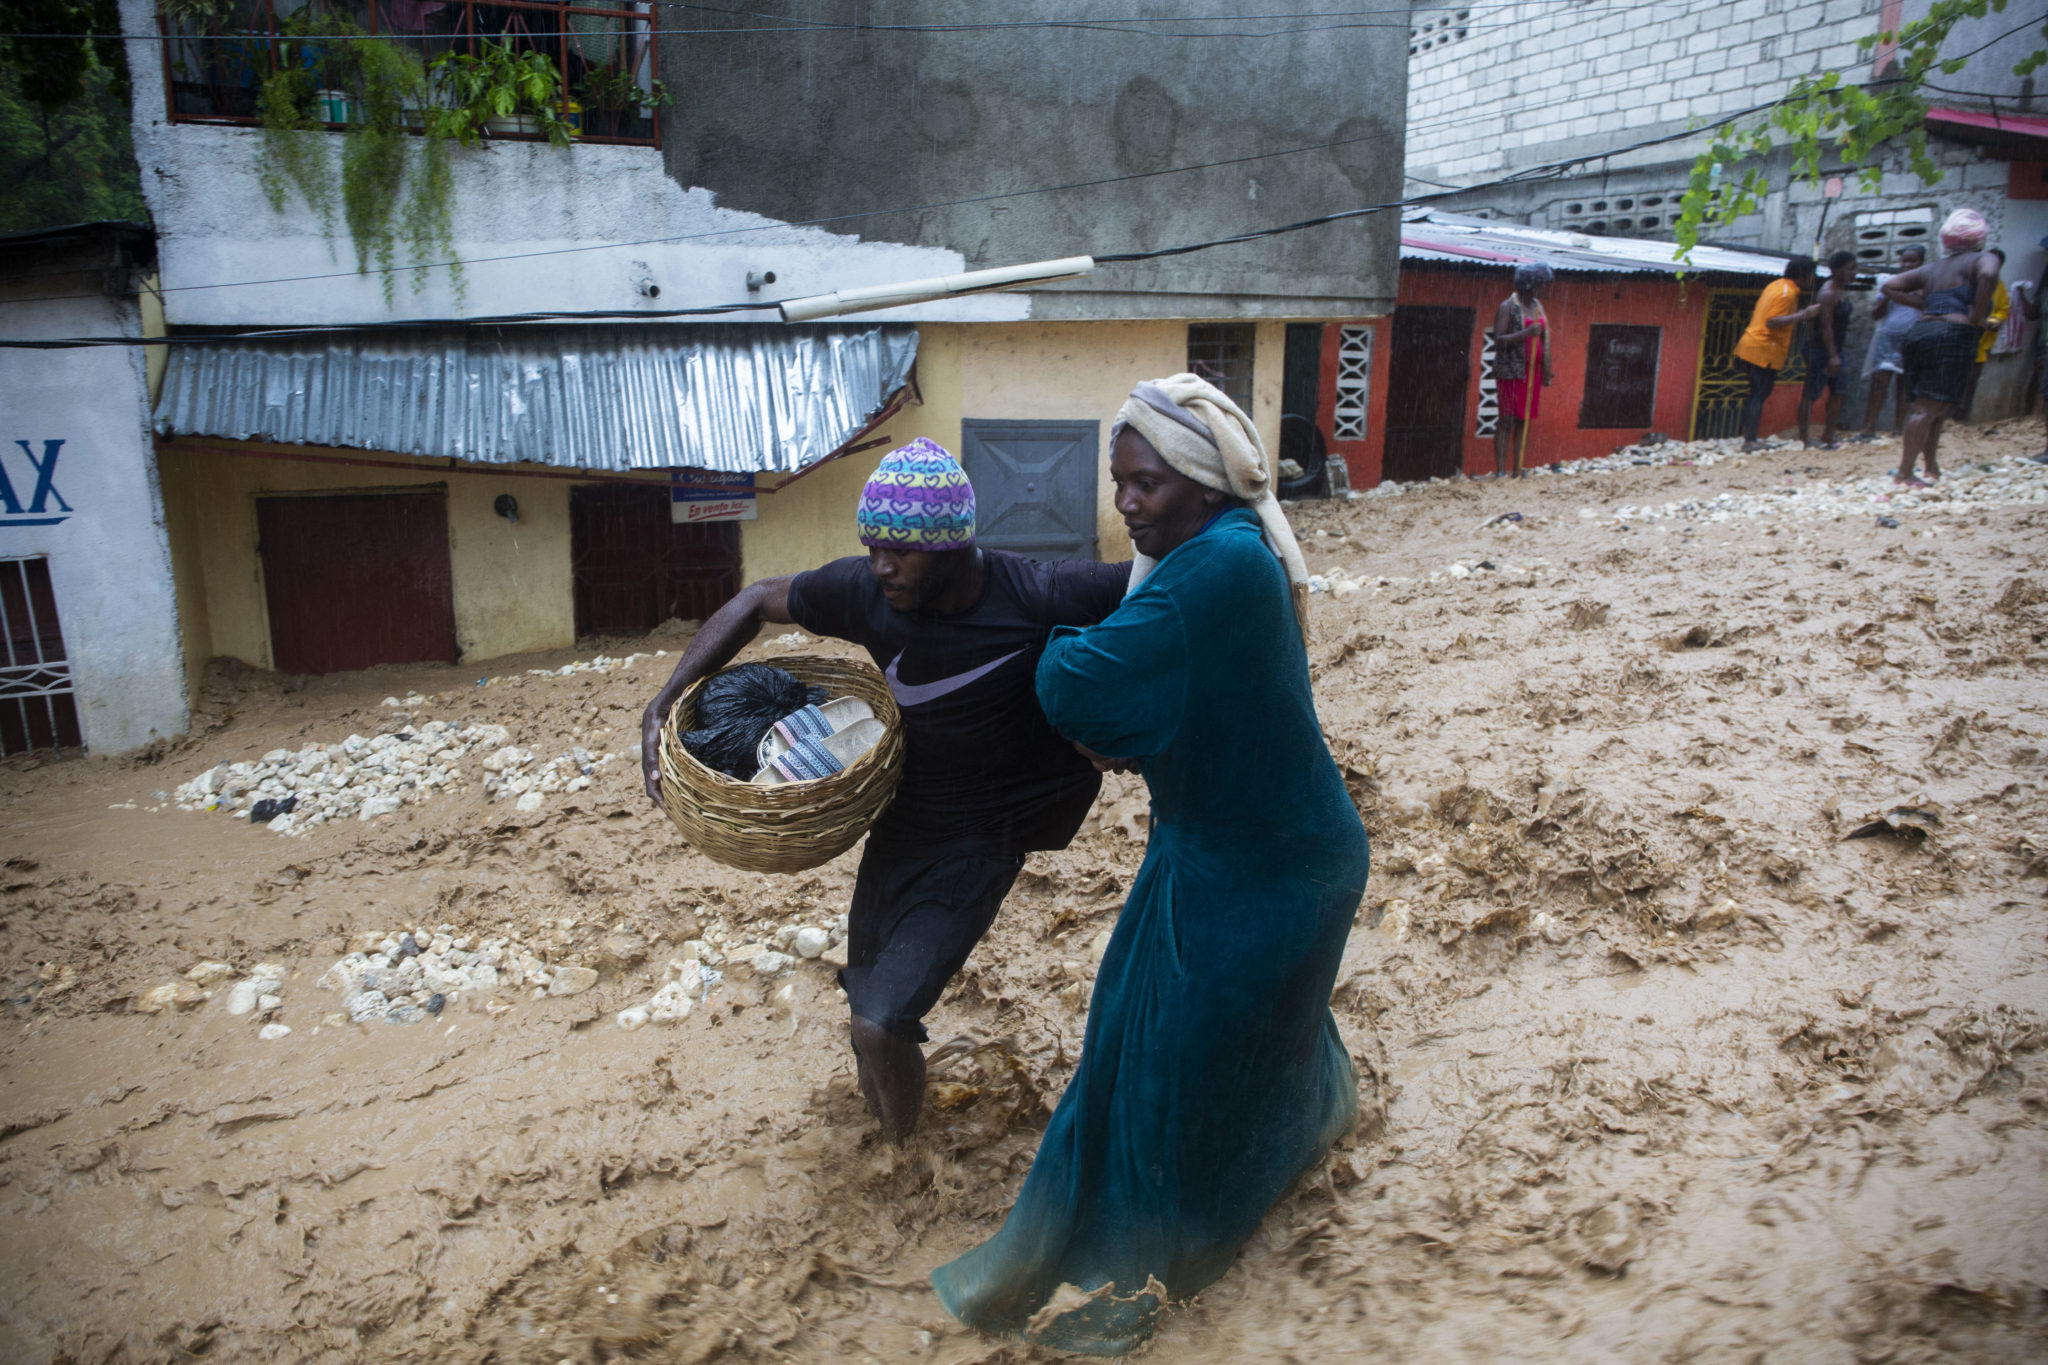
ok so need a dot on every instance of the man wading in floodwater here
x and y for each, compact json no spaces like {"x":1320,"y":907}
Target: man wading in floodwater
{"x":957,"y":630}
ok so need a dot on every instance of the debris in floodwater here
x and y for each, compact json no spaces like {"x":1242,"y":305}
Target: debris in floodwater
{"x":1914,"y":821}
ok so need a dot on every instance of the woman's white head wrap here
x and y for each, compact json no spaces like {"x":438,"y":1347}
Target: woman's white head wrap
{"x":1199,"y":431}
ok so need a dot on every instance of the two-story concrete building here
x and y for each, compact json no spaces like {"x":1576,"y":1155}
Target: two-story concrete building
{"x":598,"y":422}
{"x":1620,"y":91}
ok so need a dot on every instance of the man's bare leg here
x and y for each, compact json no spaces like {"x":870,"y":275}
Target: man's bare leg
{"x":1933,"y":450}
{"x":1805,"y":420}
{"x":1503,"y":438}
{"x":1834,"y":417}
{"x":891,"y":1073}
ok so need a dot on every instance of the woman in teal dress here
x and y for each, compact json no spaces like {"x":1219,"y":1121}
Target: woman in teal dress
{"x":1211,"y":1073}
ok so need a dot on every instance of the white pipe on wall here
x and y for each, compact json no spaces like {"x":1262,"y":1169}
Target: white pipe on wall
{"x":933,"y":289}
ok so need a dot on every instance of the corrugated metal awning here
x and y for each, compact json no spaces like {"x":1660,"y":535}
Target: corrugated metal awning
{"x":735,"y":397}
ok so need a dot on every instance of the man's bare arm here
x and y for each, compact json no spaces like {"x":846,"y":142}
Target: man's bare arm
{"x":1908,"y":287}
{"x":1826,"y":303}
{"x":731,"y":629}
{"x":1986,"y":271}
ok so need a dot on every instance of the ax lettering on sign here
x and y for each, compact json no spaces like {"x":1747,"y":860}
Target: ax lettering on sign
{"x":36,"y":512}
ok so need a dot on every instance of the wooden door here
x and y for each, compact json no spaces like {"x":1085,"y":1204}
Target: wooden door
{"x":1428,"y":374}
{"x":1034,"y":485}
{"x":635,"y":567}
{"x":356,"y":579}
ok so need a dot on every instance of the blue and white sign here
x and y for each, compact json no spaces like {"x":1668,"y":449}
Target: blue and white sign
{"x":701,"y":495}
{"x":28,"y":485}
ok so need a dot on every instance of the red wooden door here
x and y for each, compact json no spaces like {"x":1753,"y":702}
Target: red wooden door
{"x":357,"y":579}
{"x":636,"y":567}
{"x":1426,"y":384}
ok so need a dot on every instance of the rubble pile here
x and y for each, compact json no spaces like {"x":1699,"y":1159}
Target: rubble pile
{"x":360,"y":777}
{"x":404,"y":977}
{"x":603,"y":663}
{"x":507,"y":775}
{"x":260,"y":994}
{"x":1963,"y":489}
{"x":708,"y":961}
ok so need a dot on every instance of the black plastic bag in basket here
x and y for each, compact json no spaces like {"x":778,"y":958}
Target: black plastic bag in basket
{"x":739,"y":706}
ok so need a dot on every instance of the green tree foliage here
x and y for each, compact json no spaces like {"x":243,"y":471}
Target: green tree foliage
{"x":52,"y":72}
{"x":1821,"y":113}
{"x":71,"y":164}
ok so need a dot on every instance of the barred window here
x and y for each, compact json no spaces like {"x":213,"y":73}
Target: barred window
{"x":220,"y":54}
{"x":1221,"y":352}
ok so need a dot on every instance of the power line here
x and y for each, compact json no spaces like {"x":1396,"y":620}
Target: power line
{"x":1548,"y":170}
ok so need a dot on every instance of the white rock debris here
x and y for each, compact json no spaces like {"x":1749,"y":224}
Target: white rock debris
{"x":510,"y":774}
{"x":410,"y":975}
{"x":707,"y":963}
{"x":361,"y":777}
{"x":603,"y":663}
{"x":1963,"y":489}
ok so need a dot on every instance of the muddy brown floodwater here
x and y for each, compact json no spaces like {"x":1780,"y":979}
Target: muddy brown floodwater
{"x":1656,"y":1062}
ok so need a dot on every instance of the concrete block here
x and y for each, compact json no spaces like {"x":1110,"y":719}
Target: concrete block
{"x":1769,"y":26}
{"x":1692,"y":87}
{"x":1743,"y":11}
{"x":1986,"y":175}
{"x":1732,"y":78}
{"x":1707,"y":63}
{"x":1663,"y":52}
{"x":1673,"y":111}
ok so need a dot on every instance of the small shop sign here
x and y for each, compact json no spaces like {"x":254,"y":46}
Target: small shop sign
{"x":701,"y":495}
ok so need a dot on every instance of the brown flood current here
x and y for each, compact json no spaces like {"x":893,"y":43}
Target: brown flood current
{"x":1655,"y":1063}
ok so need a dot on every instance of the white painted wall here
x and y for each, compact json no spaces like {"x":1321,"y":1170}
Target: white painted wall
{"x":110,"y":560}
{"x":586,"y":227}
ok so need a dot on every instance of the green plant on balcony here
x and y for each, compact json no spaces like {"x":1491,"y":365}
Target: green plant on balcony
{"x":500,"y":90}
{"x":391,"y":189}
{"x":614,"y":97}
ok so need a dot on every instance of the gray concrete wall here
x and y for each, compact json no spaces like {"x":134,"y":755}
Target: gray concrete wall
{"x":860,"y":120}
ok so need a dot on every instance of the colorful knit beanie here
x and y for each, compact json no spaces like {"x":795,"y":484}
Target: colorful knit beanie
{"x":919,"y":499}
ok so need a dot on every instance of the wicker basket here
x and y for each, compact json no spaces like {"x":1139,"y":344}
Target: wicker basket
{"x":795,"y":825}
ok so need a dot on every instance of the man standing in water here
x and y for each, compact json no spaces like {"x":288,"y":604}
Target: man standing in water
{"x":1824,"y":372}
{"x":957,"y":630}
{"x":1521,"y":353}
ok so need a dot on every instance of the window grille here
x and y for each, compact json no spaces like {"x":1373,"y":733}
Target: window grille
{"x":603,"y":54}
{"x":1880,"y":234}
{"x":38,"y":708}
{"x":1354,"y":383}
{"x":1619,"y":215}
{"x":1447,"y":28}
{"x":1221,"y":352}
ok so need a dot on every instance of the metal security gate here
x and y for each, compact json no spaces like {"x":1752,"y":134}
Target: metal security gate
{"x":355,"y":579}
{"x":634,"y":566}
{"x":38,"y":707}
{"x":1034,"y":485}
{"x":1719,"y":391}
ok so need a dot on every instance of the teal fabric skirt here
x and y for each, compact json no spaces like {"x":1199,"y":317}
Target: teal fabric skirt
{"x":1211,"y":1078}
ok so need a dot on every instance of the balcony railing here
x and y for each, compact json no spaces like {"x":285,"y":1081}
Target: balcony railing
{"x":218,"y":55}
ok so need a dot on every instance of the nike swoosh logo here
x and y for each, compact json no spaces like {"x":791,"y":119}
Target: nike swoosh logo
{"x":917,"y":694}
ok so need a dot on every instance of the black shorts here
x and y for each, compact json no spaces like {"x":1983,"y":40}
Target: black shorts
{"x":912,"y":924}
{"x":1938,"y":358}
{"x":1818,"y":380}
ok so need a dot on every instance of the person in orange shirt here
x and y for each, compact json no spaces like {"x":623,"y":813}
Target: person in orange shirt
{"x":1767,"y":341}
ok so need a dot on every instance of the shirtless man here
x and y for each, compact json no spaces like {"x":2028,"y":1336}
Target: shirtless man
{"x":1954,"y":297}
{"x":1824,"y":372}
{"x":957,"y":630}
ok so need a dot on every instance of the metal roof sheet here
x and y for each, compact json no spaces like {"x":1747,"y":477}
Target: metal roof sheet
{"x":1451,"y":237}
{"x":735,"y":398}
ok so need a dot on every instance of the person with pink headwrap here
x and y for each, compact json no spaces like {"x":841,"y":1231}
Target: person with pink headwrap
{"x":1954,"y":296}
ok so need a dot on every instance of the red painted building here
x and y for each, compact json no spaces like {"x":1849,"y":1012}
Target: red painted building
{"x":1642,"y":345}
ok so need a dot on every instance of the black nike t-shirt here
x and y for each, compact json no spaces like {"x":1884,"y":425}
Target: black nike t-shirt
{"x":983,"y":770}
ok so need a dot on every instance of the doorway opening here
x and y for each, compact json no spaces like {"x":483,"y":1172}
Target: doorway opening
{"x":635,"y":567}
{"x":355,"y":579}
{"x":1428,"y":375}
